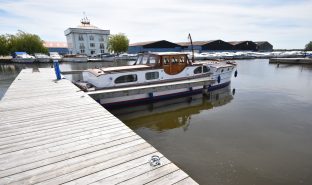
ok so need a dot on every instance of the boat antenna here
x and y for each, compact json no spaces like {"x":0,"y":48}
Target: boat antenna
{"x":190,"y":38}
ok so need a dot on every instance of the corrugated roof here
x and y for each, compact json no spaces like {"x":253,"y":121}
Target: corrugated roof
{"x":145,"y":43}
{"x":197,"y":43}
{"x":261,"y":42}
{"x":49,"y":44}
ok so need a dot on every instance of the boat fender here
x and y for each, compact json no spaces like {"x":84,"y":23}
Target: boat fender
{"x":219,"y":79}
{"x":235,"y":74}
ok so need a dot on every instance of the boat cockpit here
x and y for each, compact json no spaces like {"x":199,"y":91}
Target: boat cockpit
{"x":172,"y":63}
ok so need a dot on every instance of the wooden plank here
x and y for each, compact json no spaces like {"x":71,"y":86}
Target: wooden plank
{"x":123,"y":172}
{"x":71,"y":169}
{"x":186,"y":181}
{"x":170,"y":178}
{"x":152,"y":175}
{"x":59,"y":155}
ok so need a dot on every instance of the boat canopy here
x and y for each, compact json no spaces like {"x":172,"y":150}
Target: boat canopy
{"x":18,"y":53}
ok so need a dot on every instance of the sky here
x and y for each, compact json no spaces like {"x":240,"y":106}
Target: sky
{"x":287,"y":24}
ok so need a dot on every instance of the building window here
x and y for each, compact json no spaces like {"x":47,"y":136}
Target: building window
{"x":102,"y":51}
{"x":198,"y":70}
{"x":102,"y":46}
{"x":81,"y":46}
{"x":101,"y":39}
{"x":92,"y":45}
{"x":82,"y":51}
{"x":152,"y":75}
{"x":92,"y":52}
{"x":126,"y":79}
{"x":206,"y":69}
{"x":80,"y":37}
{"x":91,"y":37}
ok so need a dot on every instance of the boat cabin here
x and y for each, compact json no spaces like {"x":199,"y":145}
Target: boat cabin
{"x":172,"y":63}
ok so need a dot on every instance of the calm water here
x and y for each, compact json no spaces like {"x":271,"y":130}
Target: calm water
{"x":260,"y":135}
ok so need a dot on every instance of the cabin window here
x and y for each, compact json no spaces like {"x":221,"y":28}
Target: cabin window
{"x":198,"y":70}
{"x":166,"y":61}
{"x":181,"y":60}
{"x":126,"y":78}
{"x":174,"y":60}
{"x":151,"y":75}
{"x":206,"y":69}
{"x":152,"y":60}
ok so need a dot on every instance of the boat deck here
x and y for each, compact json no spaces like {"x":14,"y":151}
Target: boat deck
{"x":53,"y":133}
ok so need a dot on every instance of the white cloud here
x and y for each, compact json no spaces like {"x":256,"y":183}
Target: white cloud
{"x":287,"y":24}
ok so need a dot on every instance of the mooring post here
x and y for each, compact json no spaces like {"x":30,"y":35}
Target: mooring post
{"x":57,"y":69}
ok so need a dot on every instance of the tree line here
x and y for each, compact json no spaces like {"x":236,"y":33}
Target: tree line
{"x":21,"y":41}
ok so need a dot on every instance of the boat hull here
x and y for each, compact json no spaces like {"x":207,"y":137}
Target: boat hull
{"x":158,"y":96}
{"x":23,"y":60}
{"x":72,"y":59}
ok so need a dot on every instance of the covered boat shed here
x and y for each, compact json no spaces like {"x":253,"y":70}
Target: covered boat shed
{"x":202,"y":46}
{"x":264,"y":46}
{"x":244,"y":45}
{"x":154,"y":46}
{"x":60,"y":47}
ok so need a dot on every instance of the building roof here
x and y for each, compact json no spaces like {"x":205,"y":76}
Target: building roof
{"x":145,"y":43}
{"x":261,"y":42}
{"x":49,"y":44}
{"x":237,"y":42}
{"x":197,"y":43}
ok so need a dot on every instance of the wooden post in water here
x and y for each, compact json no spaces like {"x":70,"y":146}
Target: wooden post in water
{"x":57,"y":69}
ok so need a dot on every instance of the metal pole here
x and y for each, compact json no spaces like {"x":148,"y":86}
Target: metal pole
{"x":57,"y":69}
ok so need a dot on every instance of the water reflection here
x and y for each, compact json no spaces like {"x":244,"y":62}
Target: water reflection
{"x":174,"y":113}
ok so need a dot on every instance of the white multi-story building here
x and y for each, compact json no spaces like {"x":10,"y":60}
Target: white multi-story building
{"x":87,"y":39}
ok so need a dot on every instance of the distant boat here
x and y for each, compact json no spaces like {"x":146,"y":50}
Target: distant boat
{"x":75,"y":58}
{"x":22,"y":57}
{"x":42,"y":57}
{"x":55,"y":56}
{"x":108,"y":57}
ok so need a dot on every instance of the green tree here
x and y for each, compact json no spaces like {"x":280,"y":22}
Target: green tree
{"x":27,"y":42}
{"x":3,"y":45}
{"x":118,"y":43}
{"x":308,"y":47}
{"x":21,"y":41}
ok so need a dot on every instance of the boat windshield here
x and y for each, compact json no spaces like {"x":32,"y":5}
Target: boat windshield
{"x":146,"y":59}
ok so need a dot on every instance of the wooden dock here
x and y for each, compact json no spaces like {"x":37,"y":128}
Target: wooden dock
{"x":53,"y":133}
{"x":290,"y":60}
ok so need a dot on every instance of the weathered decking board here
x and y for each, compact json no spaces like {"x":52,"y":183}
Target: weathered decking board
{"x":53,"y":133}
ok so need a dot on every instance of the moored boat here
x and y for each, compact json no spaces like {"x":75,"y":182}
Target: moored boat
{"x":75,"y":58}
{"x":40,"y":57}
{"x":55,"y":56}
{"x":152,"y":69}
{"x":22,"y":57}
